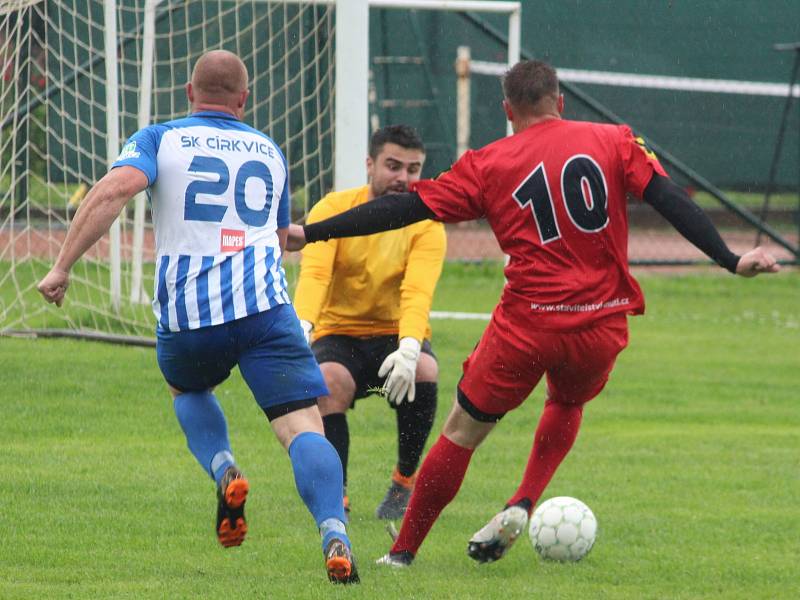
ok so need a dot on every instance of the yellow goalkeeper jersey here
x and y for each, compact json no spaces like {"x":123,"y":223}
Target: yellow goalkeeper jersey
{"x":380,"y":284}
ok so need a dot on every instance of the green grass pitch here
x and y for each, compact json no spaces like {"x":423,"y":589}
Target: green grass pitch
{"x":690,"y":460}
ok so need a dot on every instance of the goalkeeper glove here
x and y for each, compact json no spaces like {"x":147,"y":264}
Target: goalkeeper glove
{"x":307,"y":327}
{"x":401,"y":368}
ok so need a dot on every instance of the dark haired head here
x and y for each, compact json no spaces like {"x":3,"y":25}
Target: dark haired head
{"x":529,"y":82}
{"x":402,"y":135}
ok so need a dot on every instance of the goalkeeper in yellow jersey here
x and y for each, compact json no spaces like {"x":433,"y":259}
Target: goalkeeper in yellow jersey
{"x":364,"y":304}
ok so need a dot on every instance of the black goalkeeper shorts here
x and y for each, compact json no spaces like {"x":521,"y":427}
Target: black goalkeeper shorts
{"x":361,"y":356}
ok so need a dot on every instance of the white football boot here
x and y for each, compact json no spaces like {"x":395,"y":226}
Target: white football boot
{"x":497,"y":536}
{"x":397,"y":560}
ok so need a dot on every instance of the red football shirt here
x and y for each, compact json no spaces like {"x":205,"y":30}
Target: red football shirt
{"x":555,"y":197}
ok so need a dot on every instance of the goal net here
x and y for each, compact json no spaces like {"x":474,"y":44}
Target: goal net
{"x":77,"y":77}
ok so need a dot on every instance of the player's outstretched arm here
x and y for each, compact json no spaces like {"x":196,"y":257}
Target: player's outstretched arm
{"x":97,"y":212}
{"x":674,"y":204}
{"x":382,"y":214}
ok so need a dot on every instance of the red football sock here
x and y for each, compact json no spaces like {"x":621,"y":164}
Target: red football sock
{"x":557,"y":430}
{"x":438,"y":481}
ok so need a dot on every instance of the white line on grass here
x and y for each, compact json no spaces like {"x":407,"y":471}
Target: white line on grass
{"x":460,"y":316}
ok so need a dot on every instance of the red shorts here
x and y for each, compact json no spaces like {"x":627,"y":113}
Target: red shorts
{"x":508,"y":363}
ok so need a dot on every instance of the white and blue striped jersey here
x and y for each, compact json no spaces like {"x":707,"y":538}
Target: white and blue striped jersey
{"x":219,"y":190}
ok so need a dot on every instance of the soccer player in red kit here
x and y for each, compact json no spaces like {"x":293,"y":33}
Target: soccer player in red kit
{"x":554,"y":194}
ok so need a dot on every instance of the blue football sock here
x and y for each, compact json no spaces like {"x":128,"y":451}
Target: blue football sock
{"x":203,"y":422}
{"x":318,"y":477}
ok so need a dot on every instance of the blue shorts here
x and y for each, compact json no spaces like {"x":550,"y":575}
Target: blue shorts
{"x":269,"y":348}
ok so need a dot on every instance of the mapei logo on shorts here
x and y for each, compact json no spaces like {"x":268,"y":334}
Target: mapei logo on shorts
{"x":231,"y":240}
{"x":128,"y":151}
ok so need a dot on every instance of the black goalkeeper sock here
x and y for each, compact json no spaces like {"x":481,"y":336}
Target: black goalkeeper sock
{"x":338,"y":434}
{"x":414,"y":423}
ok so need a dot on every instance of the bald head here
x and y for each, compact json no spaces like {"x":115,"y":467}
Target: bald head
{"x":219,"y":82}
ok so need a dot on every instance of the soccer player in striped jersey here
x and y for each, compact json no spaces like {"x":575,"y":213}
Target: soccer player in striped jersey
{"x":219,"y":191}
{"x":554,"y":194}
{"x":367,"y":300}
